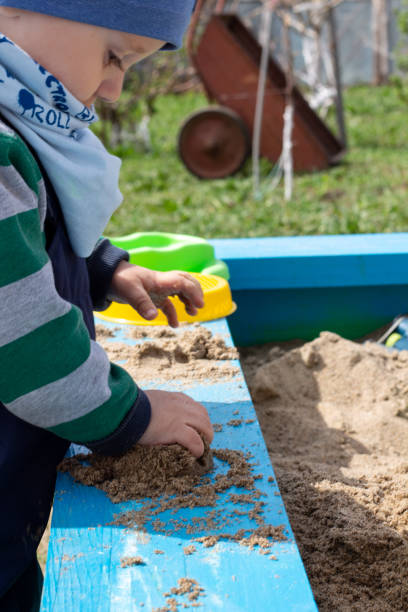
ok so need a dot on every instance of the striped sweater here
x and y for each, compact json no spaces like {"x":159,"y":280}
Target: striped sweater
{"x":52,"y":374}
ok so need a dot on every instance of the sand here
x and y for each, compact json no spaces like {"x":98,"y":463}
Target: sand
{"x":167,"y":354}
{"x":334,"y":415}
{"x":185,"y":595}
{"x":168,"y":478}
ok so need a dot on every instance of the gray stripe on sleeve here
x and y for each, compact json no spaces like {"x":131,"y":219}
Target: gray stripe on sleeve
{"x":29,"y":303}
{"x":15,"y":195}
{"x":69,"y":398}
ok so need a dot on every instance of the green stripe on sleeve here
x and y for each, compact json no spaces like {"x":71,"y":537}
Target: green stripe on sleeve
{"x":44,"y":355}
{"x":13,"y":151}
{"x":21,"y":246}
{"x":106,"y":418}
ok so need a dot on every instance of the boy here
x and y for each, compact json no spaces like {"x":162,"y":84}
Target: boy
{"x":58,"y":188}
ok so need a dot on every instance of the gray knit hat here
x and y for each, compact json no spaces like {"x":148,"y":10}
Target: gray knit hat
{"x":162,"y":19}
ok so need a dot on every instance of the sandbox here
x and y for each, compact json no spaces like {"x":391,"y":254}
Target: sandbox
{"x":333,"y":415}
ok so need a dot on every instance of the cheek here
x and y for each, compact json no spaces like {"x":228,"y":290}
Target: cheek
{"x":77,"y":66}
{"x":81,"y":82}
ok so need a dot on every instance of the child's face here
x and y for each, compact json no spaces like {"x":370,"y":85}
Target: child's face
{"x":90,"y":61}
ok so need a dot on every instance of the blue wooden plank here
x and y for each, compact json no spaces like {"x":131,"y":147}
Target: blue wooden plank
{"x":315,"y":261}
{"x":304,"y":246}
{"x":296,"y":287}
{"x":277,"y":315}
{"x":84,"y":572}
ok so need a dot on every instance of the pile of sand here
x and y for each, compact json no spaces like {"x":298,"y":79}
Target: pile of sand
{"x":144,"y":471}
{"x":170,"y":478}
{"x":165,"y":354}
{"x":334,"y":415}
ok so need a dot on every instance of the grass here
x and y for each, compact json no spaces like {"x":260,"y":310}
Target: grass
{"x":365,"y":193}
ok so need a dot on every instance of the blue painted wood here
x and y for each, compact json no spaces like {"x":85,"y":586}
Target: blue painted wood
{"x":284,"y":314}
{"x":296,"y":287}
{"x":315,"y":261}
{"x":84,"y":572}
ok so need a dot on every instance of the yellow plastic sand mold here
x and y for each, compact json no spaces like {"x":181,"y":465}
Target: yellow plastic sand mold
{"x":217,"y":304}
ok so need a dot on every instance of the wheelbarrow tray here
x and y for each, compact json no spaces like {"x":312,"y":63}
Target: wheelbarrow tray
{"x":227,"y":60}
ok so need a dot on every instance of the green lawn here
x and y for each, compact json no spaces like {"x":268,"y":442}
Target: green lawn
{"x":366,"y":193}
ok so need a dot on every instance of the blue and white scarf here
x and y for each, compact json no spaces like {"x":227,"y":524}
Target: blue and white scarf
{"x":84,"y":175}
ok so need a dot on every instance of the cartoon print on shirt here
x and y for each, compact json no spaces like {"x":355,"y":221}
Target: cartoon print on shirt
{"x":52,"y":117}
{"x":85,"y":115}
{"x":58,"y":93}
{"x":27,"y":101}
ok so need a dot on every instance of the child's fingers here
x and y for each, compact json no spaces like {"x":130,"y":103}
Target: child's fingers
{"x":176,"y":417}
{"x":191,"y":309}
{"x":196,"y":424}
{"x":191,"y":294}
{"x":188,"y":289}
{"x":170,"y":312}
{"x":144,"y":305}
{"x":200,"y":422}
{"x":191,"y":440}
{"x":192,"y":291}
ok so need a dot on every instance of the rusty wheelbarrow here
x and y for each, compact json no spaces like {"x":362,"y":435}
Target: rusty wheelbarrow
{"x":216,"y":141}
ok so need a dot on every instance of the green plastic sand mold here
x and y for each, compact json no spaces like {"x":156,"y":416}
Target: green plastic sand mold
{"x":162,"y":251}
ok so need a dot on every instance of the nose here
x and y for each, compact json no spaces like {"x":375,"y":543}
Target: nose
{"x":111,"y":87}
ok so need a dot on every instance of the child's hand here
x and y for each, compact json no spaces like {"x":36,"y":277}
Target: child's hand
{"x":146,"y":290}
{"x":176,"y":417}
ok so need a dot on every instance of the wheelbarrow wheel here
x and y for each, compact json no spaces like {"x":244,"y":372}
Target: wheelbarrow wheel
{"x":213,"y":142}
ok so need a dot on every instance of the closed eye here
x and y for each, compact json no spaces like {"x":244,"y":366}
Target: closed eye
{"x":114,"y":60}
